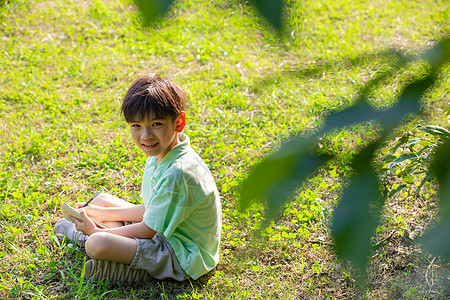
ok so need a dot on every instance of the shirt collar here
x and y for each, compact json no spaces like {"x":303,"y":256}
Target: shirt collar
{"x":176,"y":151}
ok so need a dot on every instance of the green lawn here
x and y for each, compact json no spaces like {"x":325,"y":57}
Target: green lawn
{"x":65,"y":65}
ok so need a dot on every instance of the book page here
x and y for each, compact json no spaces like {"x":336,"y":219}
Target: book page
{"x":70,"y":211}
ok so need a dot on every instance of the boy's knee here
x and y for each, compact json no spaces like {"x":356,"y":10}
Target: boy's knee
{"x":101,"y":199}
{"x":96,"y":245}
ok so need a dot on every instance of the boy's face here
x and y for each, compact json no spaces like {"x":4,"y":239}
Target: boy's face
{"x":156,"y":136}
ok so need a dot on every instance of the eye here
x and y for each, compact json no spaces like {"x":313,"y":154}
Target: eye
{"x":135,"y":125}
{"x":157,"y":124}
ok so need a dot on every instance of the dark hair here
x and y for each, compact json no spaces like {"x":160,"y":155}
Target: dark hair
{"x":154,"y":95}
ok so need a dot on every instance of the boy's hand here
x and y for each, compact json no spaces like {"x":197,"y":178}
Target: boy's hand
{"x":94,"y":211}
{"x":85,"y":224}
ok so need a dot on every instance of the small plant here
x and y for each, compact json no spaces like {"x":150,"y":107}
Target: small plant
{"x":410,"y":157}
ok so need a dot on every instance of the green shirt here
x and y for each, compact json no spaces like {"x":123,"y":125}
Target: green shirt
{"x":182,"y":203}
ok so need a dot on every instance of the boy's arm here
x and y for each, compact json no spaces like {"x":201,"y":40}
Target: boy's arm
{"x":137,"y":230}
{"x":133,"y":213}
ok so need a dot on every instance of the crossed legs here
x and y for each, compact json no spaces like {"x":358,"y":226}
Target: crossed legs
{"x":108,"y":246}
{"x":112,"y":247}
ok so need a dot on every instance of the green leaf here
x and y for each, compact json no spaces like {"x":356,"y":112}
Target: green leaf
{"x":357,"y":214}
{"x":439,"y":55}
{"x":402,"y":158}
{"x":440,"y":167}
{"x":354,"y":221}
{"x":410,"y":168}
{"x":425,"y":149}
{"x":403,"y":140}
{"x":436,"y":130}
{"x":272,"y":11}
{"x":151,"y":10}
{"x":397,"y":190}
{"x":409,"y":102}
{"x":277,"y":176}
{"x":389,"y":158}
{"x":446,"y":110}
{"x":357,"y":113}
{"x":414,"y":141}
{"x":408,"y":178}
{"x":437,"y":239}
{"x":427,"y":177}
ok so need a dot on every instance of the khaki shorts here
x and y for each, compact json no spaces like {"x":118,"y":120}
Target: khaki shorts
{"x":156,"y":256}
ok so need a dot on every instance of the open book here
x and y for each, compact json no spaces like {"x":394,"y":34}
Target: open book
{"x":70,"y":211}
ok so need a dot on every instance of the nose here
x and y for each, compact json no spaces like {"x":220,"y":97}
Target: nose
{"x":147,"y":133}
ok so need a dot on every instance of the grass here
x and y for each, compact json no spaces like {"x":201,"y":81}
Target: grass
{"x":67,"y":64}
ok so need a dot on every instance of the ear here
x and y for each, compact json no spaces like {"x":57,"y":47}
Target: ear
{"x":181,"y":122}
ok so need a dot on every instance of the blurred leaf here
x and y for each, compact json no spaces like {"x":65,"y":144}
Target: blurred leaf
{"x":440,"y":167}
{"x":409,"y":102}
{"x":277,"y":176}
{"x":272,"y":11}
{"x":152,"y":9}
{"x":355,"y":219}
{"x":359,"y":112}
{"x":437,"y":240}
{"x":438,"y":55}
{"x":357,"y":214}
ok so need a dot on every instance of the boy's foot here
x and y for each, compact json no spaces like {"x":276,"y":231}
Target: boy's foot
{"x":65,"y":228}
{"x":95,"y":270}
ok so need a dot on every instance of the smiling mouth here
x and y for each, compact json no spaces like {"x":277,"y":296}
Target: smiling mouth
{"x":149,"y":146}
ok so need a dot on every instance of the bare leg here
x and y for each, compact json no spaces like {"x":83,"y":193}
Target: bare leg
{"x":108,"y":200}
{"x":112,"y":247}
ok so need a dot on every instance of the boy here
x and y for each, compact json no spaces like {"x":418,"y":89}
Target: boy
{"x":175,"y":233}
